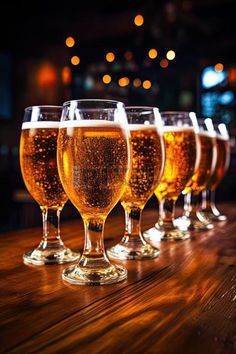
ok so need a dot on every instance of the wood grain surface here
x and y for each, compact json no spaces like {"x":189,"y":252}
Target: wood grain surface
{"x":184,"y":301}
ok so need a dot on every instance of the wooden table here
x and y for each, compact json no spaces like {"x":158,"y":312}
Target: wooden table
{"x":182,"y":302}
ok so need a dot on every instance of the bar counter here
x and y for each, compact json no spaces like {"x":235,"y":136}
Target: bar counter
{"x":183,"y":302}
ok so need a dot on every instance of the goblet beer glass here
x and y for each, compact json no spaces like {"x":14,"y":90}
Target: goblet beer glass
{"x":38,"y":152}
{"x":180,"y":140}
{"x":145,"y":125}
{"x":93,"y":160}
{"x":192,"y":219}
{"x":209,"y":209}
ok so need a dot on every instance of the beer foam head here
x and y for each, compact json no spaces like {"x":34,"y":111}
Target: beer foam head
{"x":88,"y":123}
{"x":40,"y":124}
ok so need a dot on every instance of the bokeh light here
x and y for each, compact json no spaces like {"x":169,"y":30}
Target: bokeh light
{"x":219,"y":67}
{"x":110,"y":57}
{"x":137,"y":82}
{"x":70,"y":42}
{"x":152,"y":53}
{"x":66,"y":75}
{"x":139,"y":20}
{"x":164,"y":63}
{"x":123,"y":81}
{"x":75,"y":60}
{"x":106,"y":79}
{"x":170,"y":55}
{"x":147,"y":84}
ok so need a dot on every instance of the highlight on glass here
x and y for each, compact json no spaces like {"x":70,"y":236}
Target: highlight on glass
{"x":148,"y":157}
{"x":192,"y":218}
{"x":94,"y":158}
{"x":208,"y":208}
{"x":181,"y":147}
{"x":38,"y":153}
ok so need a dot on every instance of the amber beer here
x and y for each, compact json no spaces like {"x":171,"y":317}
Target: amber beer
{"x":93,"y":162}
{"x":38,"y":151}
{"x":222,"y":162}
{"x":181,"y":153}
{"x":206,"y":165}
{"x":147,"y":165}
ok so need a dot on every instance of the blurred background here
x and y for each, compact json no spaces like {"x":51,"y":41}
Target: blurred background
{"x":176,"y":55}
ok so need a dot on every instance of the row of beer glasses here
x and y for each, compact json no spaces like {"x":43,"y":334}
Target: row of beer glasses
{"x":96,"y":153}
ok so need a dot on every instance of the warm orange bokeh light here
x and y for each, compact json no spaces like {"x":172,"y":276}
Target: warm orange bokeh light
{"x":123,"y":81}
{"x":106,"y":79}
{"x":137,"y":82}
{"x":147,"y":84}
{"x":66,"y":75}
{"x":47,"y":75}
{"x":170,"y":55}
{"x":164,"y":63}
{"x":70,"y":42}
{"x":219,"y":67}
{"x":110,"y":57}
{"x":75,"y":60}
{"x":138,"y":20}
{"x":152,"y":53}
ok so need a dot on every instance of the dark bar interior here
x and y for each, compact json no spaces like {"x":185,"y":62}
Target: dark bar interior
{"x":39,"y":64}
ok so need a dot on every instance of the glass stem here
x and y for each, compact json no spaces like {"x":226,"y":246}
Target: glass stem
{"x":208,"y":202}
{"x":187,"y":204}
{"x":166,"y":214}
{"x":212,"y":201}
{"x":94,"y":254}
{"x":195,"y":203}
{"x":191,"y":205}
{"x":51,"y":228}
{"x":133,"y":225}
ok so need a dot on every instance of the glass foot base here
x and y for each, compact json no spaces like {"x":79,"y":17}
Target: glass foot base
{"x":92,"y":276}
{"x":133,"y":250}
{"x":50,"y":256}
{"x":213,"y":217}
{"x":175,"y":235}
{"x":198,"y":225}
{"x":158,"y":234}
{"x":184,"y":224}
{"x":153,"y":234}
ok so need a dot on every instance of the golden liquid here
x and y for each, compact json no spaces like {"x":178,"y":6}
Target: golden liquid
{"x":205,"y":168}
{"x":38,"y":151}
{"x":147,"y":166}
{"x":222,"y":163}
{"x":181,"y":152}
{"x":93,"y":165}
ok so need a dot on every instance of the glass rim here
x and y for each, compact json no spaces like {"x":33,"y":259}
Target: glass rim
{"x":67,"y":103}
{"x":141,"y":107}
{"x":41,"y":106}
{"x":177,"y":112}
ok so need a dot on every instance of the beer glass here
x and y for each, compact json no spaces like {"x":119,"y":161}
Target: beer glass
{"x":93,"y":159}
{"x":192,"y":218}
{"x":38,"y":152}
{"x":181,"y":148}
{"x":209,"y":209}
{"x":145,"y":125}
